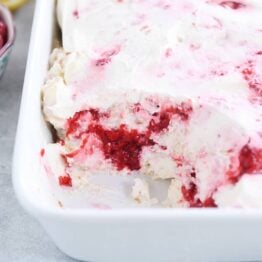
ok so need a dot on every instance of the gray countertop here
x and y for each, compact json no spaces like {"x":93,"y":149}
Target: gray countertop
{"x":21,"y":237}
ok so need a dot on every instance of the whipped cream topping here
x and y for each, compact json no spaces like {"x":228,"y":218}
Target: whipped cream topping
{"x":133,"y":61}
{"x":166,"y":47}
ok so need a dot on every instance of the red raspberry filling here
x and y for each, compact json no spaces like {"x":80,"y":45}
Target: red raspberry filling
{"x":232,"y":4}
{"x":164,"y":117}
{"x":252,"y":77}
{"x":42,"y":152}
{"x":121,"y":145}
{"x":250,"y":162}
{"x":65,"y":181}
{"x":189,"y":193}
{"x":75,"y":123}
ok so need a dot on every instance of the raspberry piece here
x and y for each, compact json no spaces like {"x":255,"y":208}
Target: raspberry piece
{"x":65,"y":181}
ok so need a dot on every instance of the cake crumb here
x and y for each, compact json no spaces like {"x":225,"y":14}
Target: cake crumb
{"x":174,"y":195}
{"x":60,"y":204}
{"x":140,"y":193}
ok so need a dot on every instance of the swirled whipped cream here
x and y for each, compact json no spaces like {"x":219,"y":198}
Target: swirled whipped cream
{"x":159,"y":102}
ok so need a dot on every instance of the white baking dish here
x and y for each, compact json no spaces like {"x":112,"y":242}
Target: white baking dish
{"x":119,"y":234}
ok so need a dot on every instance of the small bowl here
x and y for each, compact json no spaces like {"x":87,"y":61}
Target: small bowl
{"x":5,"y":51}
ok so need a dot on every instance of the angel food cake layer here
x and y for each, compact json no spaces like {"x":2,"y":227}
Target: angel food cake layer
{"x":157,"y":95}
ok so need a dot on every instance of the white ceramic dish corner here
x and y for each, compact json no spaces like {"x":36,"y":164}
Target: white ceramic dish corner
{"x":117,"y":235}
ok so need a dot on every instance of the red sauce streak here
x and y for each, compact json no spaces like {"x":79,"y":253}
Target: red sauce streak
{"x":247,"y":73}
{"x":253,"y":79}
{"x":76,"y":14}
{"x":250,"y":162}
{"x":232,"y":4}
{"x":136,"y":108}
{"x":106,"y":57}
{"x":103,"y":61}
{"x":161,"y":123}
{"x":75,"y":122}
{"x":65,"y":181}
{"x":42,"y":152}
{"x":168,"y":52}
{"x":163,"y":118}
{"x":189,"y":195}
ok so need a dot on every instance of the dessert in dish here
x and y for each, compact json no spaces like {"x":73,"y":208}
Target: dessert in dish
{"x":161,"y":96}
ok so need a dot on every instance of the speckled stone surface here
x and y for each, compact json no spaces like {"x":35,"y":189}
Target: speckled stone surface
{"x":21,"y":237}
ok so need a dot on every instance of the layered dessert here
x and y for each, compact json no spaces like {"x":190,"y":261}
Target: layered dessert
{"x":161,"y":98}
